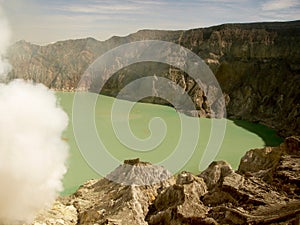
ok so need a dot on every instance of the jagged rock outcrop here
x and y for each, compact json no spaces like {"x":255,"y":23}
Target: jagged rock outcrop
{"x":257,"y":66}
{"x":180,"y":203}
{"x":110,"y":201}
{"x":264,"y":190}
{"x":278,"y":166}
{"x":237,"y":199}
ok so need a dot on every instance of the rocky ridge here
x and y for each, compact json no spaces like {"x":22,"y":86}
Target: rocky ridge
{"x":264,"y":190}
{"x":257,"y":66}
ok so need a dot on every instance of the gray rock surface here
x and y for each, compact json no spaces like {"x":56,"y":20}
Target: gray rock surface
{"x":257,"y":66}
{"x":180,"y":203}
{"x":266,"y":194}
{"x":278,"y":166}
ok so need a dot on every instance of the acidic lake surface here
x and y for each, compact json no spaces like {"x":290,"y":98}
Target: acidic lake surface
{"x":240,"y":136}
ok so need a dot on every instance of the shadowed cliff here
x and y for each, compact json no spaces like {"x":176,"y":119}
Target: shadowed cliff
{"x":257,"y":66}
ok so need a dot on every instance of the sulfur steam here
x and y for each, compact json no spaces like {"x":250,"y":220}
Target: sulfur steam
{"x":4,"y":42}
{"x":32,"y":153}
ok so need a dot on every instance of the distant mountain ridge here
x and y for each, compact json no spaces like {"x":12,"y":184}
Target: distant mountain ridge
{"x":256,"y":64}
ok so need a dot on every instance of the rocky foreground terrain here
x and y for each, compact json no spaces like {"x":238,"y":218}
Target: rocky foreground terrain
{"x":257,"y":66}
{"x":264,"y":190}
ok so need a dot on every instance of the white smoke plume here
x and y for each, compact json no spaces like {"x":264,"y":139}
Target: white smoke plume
{"x":4,"y":43}
{"x":32,"y":153}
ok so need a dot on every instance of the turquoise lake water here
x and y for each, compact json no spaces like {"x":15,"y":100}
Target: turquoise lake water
{"x":240,"y":136}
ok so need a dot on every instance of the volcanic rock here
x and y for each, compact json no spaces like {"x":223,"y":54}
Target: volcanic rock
{"x":278,"y":166}
{"x":120,"y":198}
{"x":265,"y":190}
{"x":256,"y":65}
{"x":180,"y":203}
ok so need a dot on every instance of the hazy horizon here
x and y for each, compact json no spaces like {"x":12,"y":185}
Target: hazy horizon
{"x":85,"y":37}
{"x":45,"y":21}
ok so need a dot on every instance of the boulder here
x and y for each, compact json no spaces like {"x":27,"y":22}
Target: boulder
{"x":180,"y":203}
{"x":278,"y":166}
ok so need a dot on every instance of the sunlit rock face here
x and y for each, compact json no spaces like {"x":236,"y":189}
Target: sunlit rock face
{"x":278,"y":166}
{"x":264,"y":190}
{"x":257,"y":66}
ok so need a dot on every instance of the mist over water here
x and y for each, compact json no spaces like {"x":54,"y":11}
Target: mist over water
{"x":32,"y":154}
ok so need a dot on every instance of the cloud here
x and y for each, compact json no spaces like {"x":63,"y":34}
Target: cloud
{"x":101,"y":19}
{"x":146,"y":2}
{"x":108,"y":7}
{"x":279,"y":4}
{"x":94,"y":8}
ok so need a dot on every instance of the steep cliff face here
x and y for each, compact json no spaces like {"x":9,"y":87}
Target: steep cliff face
{"x":257,"y":66}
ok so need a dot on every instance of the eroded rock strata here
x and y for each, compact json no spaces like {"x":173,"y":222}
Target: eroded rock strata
{"x":257,"y":66}
{"x":264,"y":190}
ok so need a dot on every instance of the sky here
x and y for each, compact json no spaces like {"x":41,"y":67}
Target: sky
{"x":47,"y":21}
